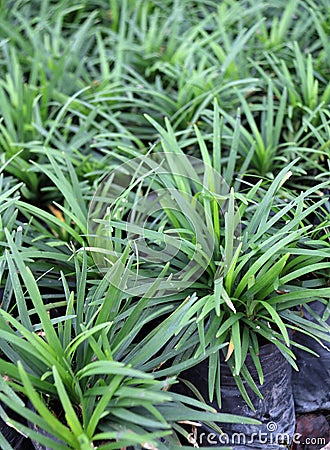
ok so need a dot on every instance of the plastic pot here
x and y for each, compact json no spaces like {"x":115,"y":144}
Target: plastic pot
{"x":275,"y":411}
{"x":15,"y":439}
{"x":311,"y":385}
{"x":37,"y":445}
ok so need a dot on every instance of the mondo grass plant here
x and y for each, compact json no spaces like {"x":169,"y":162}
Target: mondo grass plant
{"x":87,"y":377}
{"x":252,"y":257}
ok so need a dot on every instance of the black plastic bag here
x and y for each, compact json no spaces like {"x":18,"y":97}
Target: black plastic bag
{"x":14,"y":438}
{"x":311,"y":385}
{"x":275,"y":410}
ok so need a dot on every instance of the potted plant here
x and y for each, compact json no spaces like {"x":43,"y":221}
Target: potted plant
{"x":89,"y":374}
{"x":243,"y":252}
